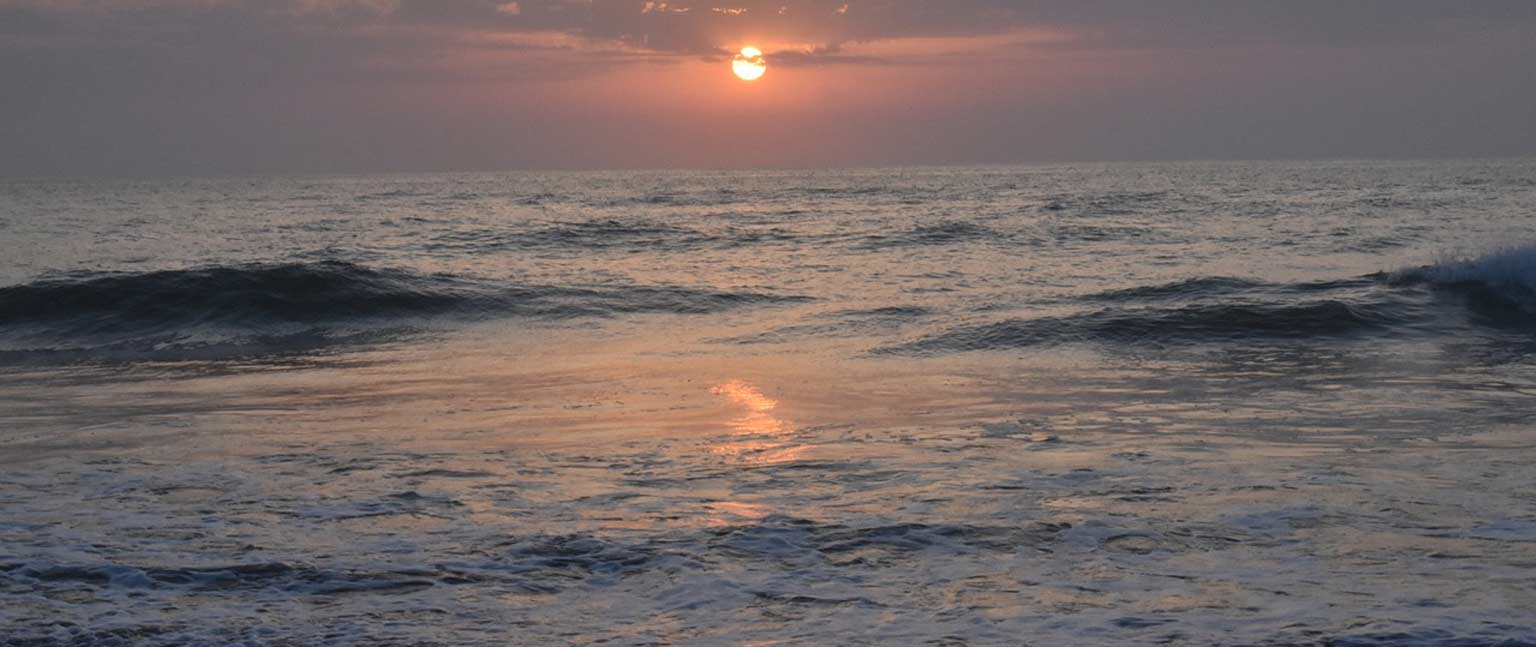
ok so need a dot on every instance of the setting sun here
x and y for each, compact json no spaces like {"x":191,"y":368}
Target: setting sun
{"x":749,"y":64}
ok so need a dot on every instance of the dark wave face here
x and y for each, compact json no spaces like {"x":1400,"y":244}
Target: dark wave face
{"x":842,"y":323}
{"x":1217,"y":286}
{"x":252,"y":294}
{"x":944,"y":233}
{"x":1191,"y":324}
{"x":295,"y":300}
{"x":1494,"y":294}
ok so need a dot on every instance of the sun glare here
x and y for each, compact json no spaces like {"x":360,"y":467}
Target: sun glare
{"x":749,"y":64}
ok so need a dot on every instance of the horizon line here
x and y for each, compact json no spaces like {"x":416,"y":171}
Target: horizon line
{"x":252,"y":174}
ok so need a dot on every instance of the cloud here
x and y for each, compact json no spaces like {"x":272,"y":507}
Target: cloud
{"x":300,"y":84}
{"x":799,"y":30}
{"x":527,"y":39}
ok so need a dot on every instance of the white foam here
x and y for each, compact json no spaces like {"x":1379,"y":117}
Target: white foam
{"x":1509,"y":270}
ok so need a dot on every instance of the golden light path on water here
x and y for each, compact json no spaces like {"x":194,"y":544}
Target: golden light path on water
{"x":763,"y":440}
{"x":763,"y":434}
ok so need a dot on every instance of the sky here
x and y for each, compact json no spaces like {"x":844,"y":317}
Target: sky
{"x":190,"y":87}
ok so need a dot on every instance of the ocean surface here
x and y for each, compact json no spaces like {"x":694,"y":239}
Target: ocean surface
{"x":1179,"y":404}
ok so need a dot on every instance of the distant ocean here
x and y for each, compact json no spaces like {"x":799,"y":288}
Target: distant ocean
{"x":1175,"y":403}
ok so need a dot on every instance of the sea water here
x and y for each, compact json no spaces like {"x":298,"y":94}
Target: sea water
{"x":1184,"y":404}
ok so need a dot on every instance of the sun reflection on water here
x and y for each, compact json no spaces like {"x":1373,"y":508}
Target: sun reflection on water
{"x":758,"y":418}
{"x":762,"y":437}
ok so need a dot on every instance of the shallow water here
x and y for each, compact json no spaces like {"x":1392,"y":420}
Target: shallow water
{"x":1189,"y":404}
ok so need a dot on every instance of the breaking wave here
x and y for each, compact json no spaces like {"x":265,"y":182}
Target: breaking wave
{"x":1500,"y":285}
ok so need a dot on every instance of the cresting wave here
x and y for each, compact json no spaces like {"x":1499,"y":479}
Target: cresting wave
{"x":1500,"y":285}
{"x":1494,"y":293}
{"x":94,"y":308}
{"x":1182,"y":325}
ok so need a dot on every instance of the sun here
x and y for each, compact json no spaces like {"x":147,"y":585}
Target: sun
{"x":749,"y":64}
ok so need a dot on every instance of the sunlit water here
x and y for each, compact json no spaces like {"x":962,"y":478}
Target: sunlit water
{"x":1187,"y":404}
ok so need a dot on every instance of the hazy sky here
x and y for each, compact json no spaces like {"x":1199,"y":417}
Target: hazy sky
{"x":232,"y":86}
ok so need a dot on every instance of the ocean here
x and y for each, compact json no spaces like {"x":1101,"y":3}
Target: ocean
{"x":1276,"y":403}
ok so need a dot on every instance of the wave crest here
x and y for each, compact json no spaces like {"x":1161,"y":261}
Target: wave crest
{"x":267,"y":300}
{"x":1178,"y":325}
{"x":1483,"y":295}
{"x":294,"y":292}
{"x":1501,"y":284}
